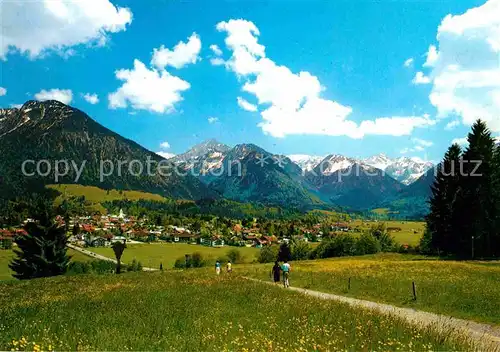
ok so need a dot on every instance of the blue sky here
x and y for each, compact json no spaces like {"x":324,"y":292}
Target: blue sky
{"x":355,"y":96}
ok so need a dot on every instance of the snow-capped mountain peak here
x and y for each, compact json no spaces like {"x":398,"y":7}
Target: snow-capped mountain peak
{"x":379,"y":161}
{"x":306,"y":162}
{"x":335,"y":162}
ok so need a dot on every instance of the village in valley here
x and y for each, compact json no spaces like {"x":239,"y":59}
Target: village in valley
{"x":103,"y":230}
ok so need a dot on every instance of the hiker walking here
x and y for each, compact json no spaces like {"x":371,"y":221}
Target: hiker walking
{"x":229,"y":267}
{"x":276,"y":272}
{"x":217,"y":267}
{"x":286,"y":273}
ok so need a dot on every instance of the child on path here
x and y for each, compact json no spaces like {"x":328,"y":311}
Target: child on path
{"x":217,"y":267}
{"x":229,"y":267}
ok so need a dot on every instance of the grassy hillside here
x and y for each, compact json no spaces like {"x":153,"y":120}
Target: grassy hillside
{"x":151,"y":255}
{"x":193,"y":311}
{"x":468,"y":290}
{"x":95,"y":196}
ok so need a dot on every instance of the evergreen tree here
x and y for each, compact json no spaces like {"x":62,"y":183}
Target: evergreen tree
{"x":284,"y":254}
{"x":496,"y":201}
{"x":42,"y":252}
{"x":440,"y":221}
{"x":475,"y":205}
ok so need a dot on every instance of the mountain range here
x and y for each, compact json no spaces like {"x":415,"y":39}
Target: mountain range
{"x":53,"y":131}
{"x":404,"y":169}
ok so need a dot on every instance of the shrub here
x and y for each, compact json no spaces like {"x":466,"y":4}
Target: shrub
{"x":387,"y":242}
{"x":338,"y":246}
{"x":234,"y":256}
{"x":367,"y":244}
{"x":380,"y":232}
{"x":180,"y":263}
{"x":196,"y":260}
{"x":268,"y":254}
{"x":426,"y":243}
{"x":134,"y":266}
{"x":300,"y":250}
{"x":77,"y":268}
{"x":102,"y":266}
{"x":94,"y":266}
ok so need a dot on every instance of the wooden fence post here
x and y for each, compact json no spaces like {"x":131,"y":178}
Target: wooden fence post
{"x":414,"y":291}
{"x":349,"y":285}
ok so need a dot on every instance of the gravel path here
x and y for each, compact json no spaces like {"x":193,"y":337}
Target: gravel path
{"x":486,"y":337}
{"x":98,"y":256}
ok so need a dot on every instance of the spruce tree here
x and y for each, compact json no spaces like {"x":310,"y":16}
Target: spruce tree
{"x":475,"y":203}
{"x":284,"y":254}
{"x":440,"y":221}
{"x":42,"y":251}
{"x":496,"y":201}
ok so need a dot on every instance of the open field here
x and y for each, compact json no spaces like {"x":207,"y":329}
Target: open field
{"x":194,"y":311}
{"x":94,"y":195}
{"x":151,"y":255}
{"x":411,"y":231}
{"x":467,"y":290}
{"x":7,"y":255}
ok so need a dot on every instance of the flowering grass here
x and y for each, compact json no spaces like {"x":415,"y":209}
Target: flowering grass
{"x":194,"y":311}
{"x":468,"y":290}
{"x":152,"y":254}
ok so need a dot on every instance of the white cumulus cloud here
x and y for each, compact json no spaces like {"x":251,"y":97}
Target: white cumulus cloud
{"x":165,"y":145}
{"x":182,"y":54}
{"x":58,"y":24}
{"x":212,"y":120}
{"x":245,"y":105}
{"x":147,"y":89}
{"x":217,"y":61}
{"x":216,"y":50}
{"x":451,"y":125}
{"x":155,"y":89}
{"x":292,"y":102}
{"x":3,"y":91}
{"x":91,"y":98}
{"x":65,"y":96}
{"x":408,"y":62}
{"x":460,"y":141}
{"x":465,"y":65}
{"x":420,"y":78}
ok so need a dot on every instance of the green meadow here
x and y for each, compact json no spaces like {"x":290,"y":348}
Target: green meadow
{"x":152,"y":254}
{"x":468,"y":290}
{"x":194,"y":311}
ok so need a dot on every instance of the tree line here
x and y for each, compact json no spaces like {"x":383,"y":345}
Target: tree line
{"x":464,"y":218}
